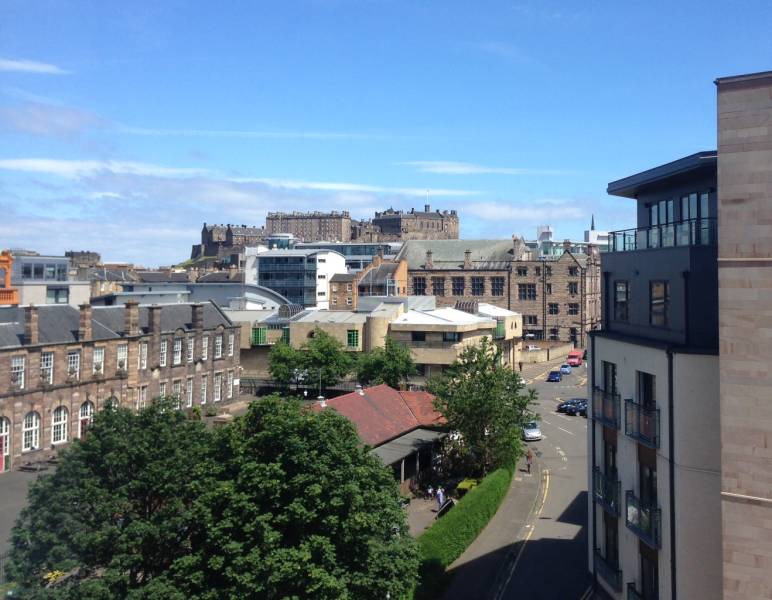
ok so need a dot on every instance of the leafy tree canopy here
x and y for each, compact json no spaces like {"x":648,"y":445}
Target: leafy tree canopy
{"x":392,"y":365}
{"x":486,"y":402}
{"x":323,"y":354}
{"x":284,"y":362}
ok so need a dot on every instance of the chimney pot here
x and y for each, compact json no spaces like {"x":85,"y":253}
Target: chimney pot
{"x":31,"y":324}
{"x":429,"y":262}
{"x":84,"y":326}
{"x":131,"y":318}
{"x":467,"y":259}
{"x":197,"y":316}
{"x":155,"y":319}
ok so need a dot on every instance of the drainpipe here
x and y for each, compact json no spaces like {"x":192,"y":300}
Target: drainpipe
{"x":509,"y":287}
{"x":671,"y":468}
{"x":592,"y":451}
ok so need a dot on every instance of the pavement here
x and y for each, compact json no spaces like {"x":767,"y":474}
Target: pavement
{"x":13,"y":497}
{"x":536,"y":544}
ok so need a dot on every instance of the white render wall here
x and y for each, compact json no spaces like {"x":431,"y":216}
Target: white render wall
{"x":334,"y":264}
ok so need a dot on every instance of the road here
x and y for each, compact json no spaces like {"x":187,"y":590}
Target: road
{"x":549,"y":558}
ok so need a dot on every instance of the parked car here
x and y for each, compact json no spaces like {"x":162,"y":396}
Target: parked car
{"x":576,"y":408}
{"x":531,"y":432}
{"x":562,"y":406}
{"x":531,"y":348}
{"x":565,"y":369}
{"x":583,"y":410}
{"x":554,"y":376}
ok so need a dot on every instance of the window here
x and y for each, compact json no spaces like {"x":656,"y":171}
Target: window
{"x":522,"y":271}
{"x":573,"y":309}
{"x":526,"y":291}
{"x":497,"y":286}
{"x":59,"y":425}
{"x":334,"y":287}
{"x":177,"y":355}
{"x":73,"y":365}
{"x":203,"y":389}
{"x":457,"y":286}
{"x":162,"y":389}
{"x":260,"y":335}
{"x":348,"y":301}
{"x":478,"y":286}
{"x":321,"y":294}
{"x":217,"y":391}
{"x":621,"y":300}
{"x":218,"y":346}
{"x":321,"y":276}
{"x":162,"y":354}
{"x":438,"y":286}
{"x":30,"y":432}
{"x":349,"y":287}
{"x":646,"y":389}
{"x":548,"y":288}
{"x":419,"y":286}
{"x":451,"y":336}
{"x":189,"y":392}
{"x":142,"y":402}
{"x":121,"y":356}
{"x":17,"y":371}
{"x":548,"y":271}
{"x":417,"y":336}
{"x":205,"y":347}
{"x":538,"y":271}
{"x":231,"y":340}
{"x":5,"y":444}
{"x":285,"y":335}
{"x":143,"y":355}
{"x":47,"y":367}
{"x":176,"y":392}
{"x":229,"y":385}
{"x":659,"y":303}
{"x":554,"y":334}
{"x":553,"y":308}
{"x":57,"y":295}
{"x":530,"y":320}
{"x":573,"y":287}
{"x":85,"y":417}
{"x":352,"y":338}
{"x":99,"y":361}
{"x":573,"y":271}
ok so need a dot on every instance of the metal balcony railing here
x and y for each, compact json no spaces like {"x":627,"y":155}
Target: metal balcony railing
{"x":606,"y":407}
{"x":609,"y":571}
{"x":692,"y":232}
{"x":642,"y":423}
{"x":607,"y":490}
{"x":643,"y":519}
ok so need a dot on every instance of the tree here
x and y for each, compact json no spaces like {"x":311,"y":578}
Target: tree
{"x":324,"y":357}
{"x":486,"y":402}
{"x":116,"y":513}
{"x":283,"y":363}
{"x":392,"y":365}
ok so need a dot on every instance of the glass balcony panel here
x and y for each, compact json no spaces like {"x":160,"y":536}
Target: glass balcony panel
{"x":690,"y":232}
{"x":642,"y":423}
{"x":668,"y":236}
{"x":606,"y":408}
{"x":607,"y":490}
{"x":643,"y":519}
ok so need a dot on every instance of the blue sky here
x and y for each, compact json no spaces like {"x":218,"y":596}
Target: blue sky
{"x":124,"y":126}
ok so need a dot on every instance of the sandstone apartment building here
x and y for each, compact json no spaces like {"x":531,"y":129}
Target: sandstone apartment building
{"x":59,"y":365}
{"x":312,"y":226}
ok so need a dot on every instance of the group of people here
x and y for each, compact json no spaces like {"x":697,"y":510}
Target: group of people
{"x":438,"y":494}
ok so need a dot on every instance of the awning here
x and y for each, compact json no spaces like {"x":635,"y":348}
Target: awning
{"x":407,"y":444}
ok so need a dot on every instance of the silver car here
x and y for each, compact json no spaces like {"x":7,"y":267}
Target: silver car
{"x":531,"y":432}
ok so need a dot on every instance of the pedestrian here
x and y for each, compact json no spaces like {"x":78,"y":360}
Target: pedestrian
{"x":520,"y":364}
{"x":529,"y":459}
{"x":430,"y":492}
{"x":440,"y":498}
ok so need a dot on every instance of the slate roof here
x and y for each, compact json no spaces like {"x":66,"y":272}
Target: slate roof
{"x":220,"y":277}
{"x":343,"y":278}
{"x":162,"y":276}
{"x":449,"y":254}
{"x":58,"y":324}
{"x":379,"y":275}
{"x":104,"y":274}
{"x":381,"y":413}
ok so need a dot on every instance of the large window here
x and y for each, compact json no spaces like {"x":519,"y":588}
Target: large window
{"x":260,"y":335}
{"x":231,"y":343}
{"x":659,"y":303}
{"x":217,"y":391}
{"x":553,"y":308}
{"x":229,"y":385}
{"x":191,"y":348}
{"x":457,"y":286}
{"x":419,"y":286}
{"x":57,"y":295}
{"x":352,"y":338}
{"x":205,"y":347}
{"x":47,"y":367}
{"x":189,"y":392}
{"x":218,"y":346}
{"x":162,"y":354}
{"x":30,"y":432}
{"x":438,"y":286}
{"x":478,"y":286}
{"x":204,"y":381}
{"x":573,"y":287}
{"x":573,"y":308}
{"x":17,"y":372}
{"x":526,"y":291}
{"x":497,"y":286}
{"x":73,"y":365}
{"x":609,"y":377}
{"x":5,"y":444}
{"x":59,"y":420}
{"x":621,"y":300}
{"x":176,"y":392}
{"x":122,"y":355}
{"x":143,"y":355}
{"x":98,"y":361}
{"x":85,"y":417}
{"x":177,"y":354}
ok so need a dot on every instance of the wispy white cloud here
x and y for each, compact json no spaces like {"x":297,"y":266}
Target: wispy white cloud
{"x":86,"y":168}
{"x":31,"y":66}
{"x":443,"y":167}
{"x":48,"y":119}
{"x":327,"y":186}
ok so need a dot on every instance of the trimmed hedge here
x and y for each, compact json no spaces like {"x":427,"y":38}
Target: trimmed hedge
{"x":447,"y":538}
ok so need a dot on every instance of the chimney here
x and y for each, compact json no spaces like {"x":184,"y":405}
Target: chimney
{"x":131,"y":318}
{"x":429,"y":262}
{"x":519,"y":248}
{"x":84,"y":326}
{"x":566,"y":245}
{"x":427,"y":208}
{"x":467,"y":259}
{"x":154,"y":320}
{"x":197,"y":316}
{"x":31,"y":324}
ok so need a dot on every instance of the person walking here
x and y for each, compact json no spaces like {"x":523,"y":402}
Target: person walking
{"x":529,"y":459}
{"x":440,"y":498}
{"x":520,"y":364}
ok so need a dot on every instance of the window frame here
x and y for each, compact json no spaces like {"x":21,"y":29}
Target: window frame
{"x":218,"y":346}
{"x":162,"y":350}
{"x":659,"y":307}
{"x":98,"y":360}
{"x":60,"y":417}
{"x":419,"y":286}
{"x":457,"y":286}
{"x":478,"y":285}
{"x":47,"y":360}
{"x":352,"y":335}
{"x":497,"y":286}
{"x":177,"y":352}
{"x":73,"y":364}
{"x":31,"y":424}
{"x":85,"y":417}
{"x":621,"y":305}
{"x":18,"y":369}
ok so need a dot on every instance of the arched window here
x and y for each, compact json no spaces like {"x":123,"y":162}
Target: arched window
{"x":5,"y":444}
{"x":31,"y":432}
{"x":59,"y":425}
{"x":85,"y":417}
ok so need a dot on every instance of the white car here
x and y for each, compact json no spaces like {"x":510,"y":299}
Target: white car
{"x":531,"y":432}
{"x":532,"y":348}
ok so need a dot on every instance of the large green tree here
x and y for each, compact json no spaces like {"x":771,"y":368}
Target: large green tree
{"x":393,"y":365}
{"x":487,"y":403}
{"x":322,"y":356}
{"x":284,"y":363}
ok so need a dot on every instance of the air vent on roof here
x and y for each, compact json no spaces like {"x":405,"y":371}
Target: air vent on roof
{"x":469,"y":306}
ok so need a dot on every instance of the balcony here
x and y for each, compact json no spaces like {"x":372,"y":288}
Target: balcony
{"x":606,"y":490}
{"x":9,"y":296}
{"x":692,"y":232}
{"x":608,"y":571}
{"x":643,"y":519}
{"x":606,"y":408}
{"x":642,"y":423}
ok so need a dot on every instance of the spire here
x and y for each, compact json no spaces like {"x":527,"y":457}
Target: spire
{"x":592,"y":223}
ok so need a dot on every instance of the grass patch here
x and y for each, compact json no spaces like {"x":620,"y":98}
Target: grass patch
{"x":447,"y":538}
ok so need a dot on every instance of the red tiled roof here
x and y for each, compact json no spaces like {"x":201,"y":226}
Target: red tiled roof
{"x":381,"y":413}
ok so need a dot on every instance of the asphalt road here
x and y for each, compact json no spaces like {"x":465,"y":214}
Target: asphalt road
{"x":550,"y":556}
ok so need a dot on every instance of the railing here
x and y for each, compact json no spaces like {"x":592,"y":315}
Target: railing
{"x":9,"y":296}
{"x":643,"y":519}
{"x":606,"y":490}
{"x":606,"y":407}
{"x":287,"y":282}
{"x":692,"y":232}
{"x":642,"y":423}
{"x":608,"y":571}
{"x":287,"y":268}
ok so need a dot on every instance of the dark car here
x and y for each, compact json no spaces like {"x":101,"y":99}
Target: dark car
{"x":583,"y":409}
{"x":576,"y":408}
{"x":563,"y":406}
{"x":554,"y":376}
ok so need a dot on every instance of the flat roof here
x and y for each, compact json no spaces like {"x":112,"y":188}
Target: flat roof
{"x":441,"y":316}
{"x":629,"y":187}
{"x":491,"y":310}
{"x":332,"y":316}
{"x":406,"y":444}
{"x":748,"y":77}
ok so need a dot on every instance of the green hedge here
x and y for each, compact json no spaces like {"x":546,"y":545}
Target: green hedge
{"x":450,"y":535}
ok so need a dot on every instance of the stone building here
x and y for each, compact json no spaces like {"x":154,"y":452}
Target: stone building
{"x":59,"y":364}
{"x":311,"y":227}
{"x":379,"y":278}
{"x":558,"y":297}
{"x":416,"y":225}
{"x":82,"y":259}
{"x":225,"y":243}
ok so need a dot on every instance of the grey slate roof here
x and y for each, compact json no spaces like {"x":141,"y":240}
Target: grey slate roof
{"x":343,"y":277}
{"x":378,"y":275}
{"x":58,"y":324}
{"x":160,"y":276}
{"x":449,"y":254}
